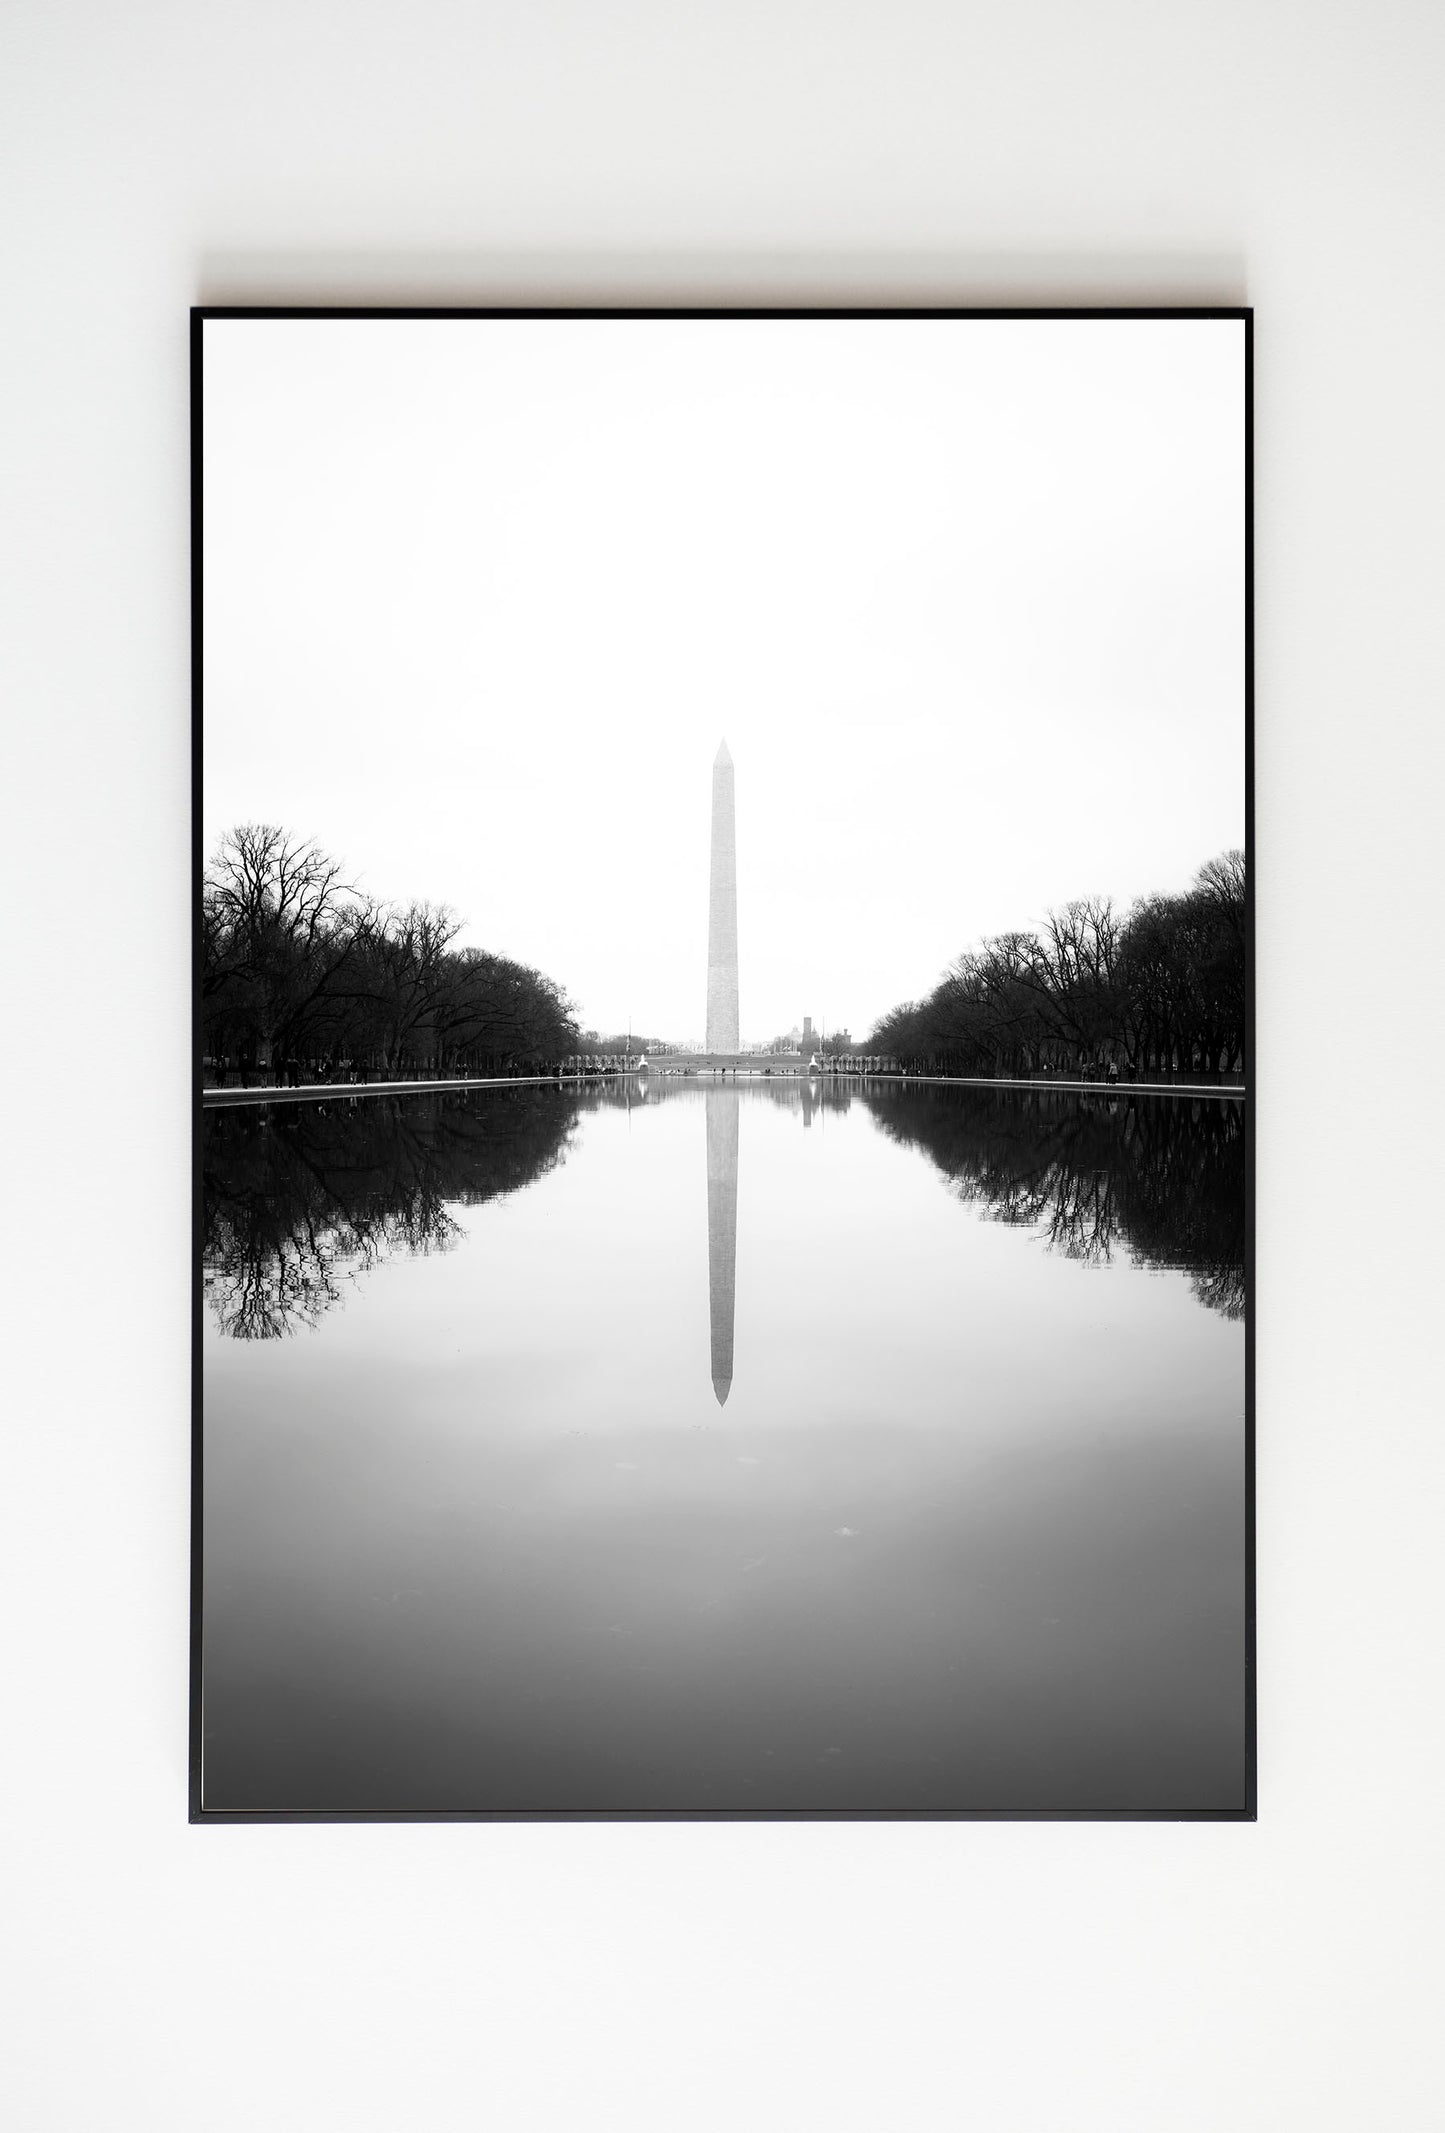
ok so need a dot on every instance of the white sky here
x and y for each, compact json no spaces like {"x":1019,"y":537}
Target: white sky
{"x":964,"y":596}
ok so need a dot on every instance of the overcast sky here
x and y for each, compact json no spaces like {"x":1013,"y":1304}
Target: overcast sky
{"x":965,"y":598}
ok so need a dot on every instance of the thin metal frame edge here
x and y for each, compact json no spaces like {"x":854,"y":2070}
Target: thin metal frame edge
{"x":198,"y":1811}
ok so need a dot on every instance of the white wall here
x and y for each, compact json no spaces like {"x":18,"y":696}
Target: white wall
{"x":1052,"y":1978}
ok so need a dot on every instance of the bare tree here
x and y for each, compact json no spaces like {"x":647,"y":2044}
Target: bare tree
{"x":409,"y":970}
{"x":1163,"y":987}
{"x":280,"y":924}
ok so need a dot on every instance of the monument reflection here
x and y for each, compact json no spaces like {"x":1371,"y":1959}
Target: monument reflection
{"x":723,"y":1105}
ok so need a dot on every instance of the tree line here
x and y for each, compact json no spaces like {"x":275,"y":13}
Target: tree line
{"x":1155,"y":991}
{"x":302,"y":971}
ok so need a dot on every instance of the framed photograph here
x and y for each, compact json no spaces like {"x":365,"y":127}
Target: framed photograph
{"x":723,"y":1029}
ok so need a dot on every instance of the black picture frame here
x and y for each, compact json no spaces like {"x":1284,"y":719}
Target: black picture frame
{"x":199,"y":1811}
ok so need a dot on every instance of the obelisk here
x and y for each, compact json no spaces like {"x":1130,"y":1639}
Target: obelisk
{"x":722,"y":912}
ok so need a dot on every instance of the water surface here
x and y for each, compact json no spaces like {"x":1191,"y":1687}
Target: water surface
{"x":719,"y":1449}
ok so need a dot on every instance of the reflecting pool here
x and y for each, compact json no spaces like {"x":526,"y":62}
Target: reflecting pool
{"x":763,"y":1448}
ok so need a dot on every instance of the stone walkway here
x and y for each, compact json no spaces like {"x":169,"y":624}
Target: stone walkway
{"x":214,"y":1099}
{"x":318,"y":1091}
{"x":1090,"y":1088}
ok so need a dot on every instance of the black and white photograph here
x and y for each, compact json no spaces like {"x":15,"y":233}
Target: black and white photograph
{"x":723,"y":1023}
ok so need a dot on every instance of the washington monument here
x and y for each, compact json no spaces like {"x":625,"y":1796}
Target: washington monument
{"x":722,"y":912}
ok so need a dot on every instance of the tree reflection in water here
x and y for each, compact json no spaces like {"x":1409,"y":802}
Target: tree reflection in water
{"x":301,"y":1198}
{"x":1160,"y":1176}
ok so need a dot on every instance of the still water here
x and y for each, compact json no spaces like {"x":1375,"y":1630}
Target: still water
{"x":723,"y":1449}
